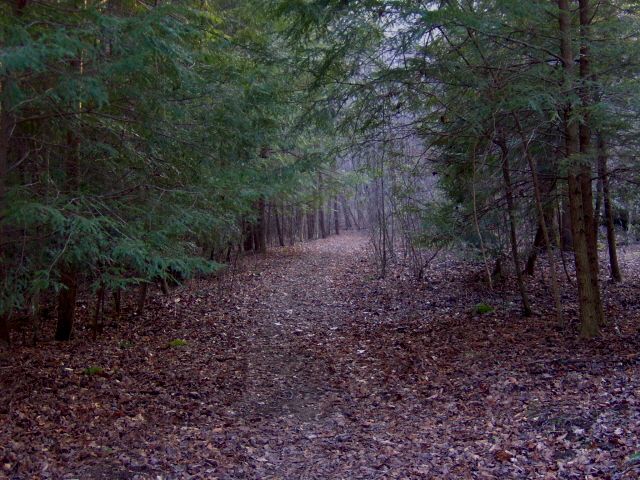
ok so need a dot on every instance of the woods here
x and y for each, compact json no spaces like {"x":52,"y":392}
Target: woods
{"x":395,"y":176}
{"x":488,"y":87}
{"x":137,"y":136}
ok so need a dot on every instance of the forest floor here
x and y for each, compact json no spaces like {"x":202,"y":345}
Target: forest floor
{"x":304,"y":365}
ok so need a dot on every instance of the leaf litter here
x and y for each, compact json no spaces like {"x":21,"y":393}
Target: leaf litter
{"x":303,"y":365}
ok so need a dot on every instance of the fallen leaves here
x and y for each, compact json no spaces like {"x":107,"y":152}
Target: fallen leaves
{"x":304,"y":365}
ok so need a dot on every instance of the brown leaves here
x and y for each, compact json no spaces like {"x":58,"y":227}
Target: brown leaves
{"x":503,"y":456}
{"x":303,"y":365}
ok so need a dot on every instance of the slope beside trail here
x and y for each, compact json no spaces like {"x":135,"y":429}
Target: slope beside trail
{"x":305,"y":365}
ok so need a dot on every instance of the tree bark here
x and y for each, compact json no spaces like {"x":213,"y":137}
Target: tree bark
{"x":117,"y":301}
{"x":142,"y":298}
{"x":99,"y":312}
{"x":586,"y":151}
{"x":598,"y":208}
{"x":66,"y":304}
{"x":579,"y":182}
{"x":506,"y":175}
{"x":555,"y":288}
{"x":346,"y":213}
{"x":564,"y":223}
{"x":164,"y":286}
{"x":292,"y":226}
{"x":538,"y":243}
{"x":6,"y":127}
{"x":336,"y":218}
{"x":68,"y":274}
{"x":311,"y":224}
{"x":5,"y":335}
{"x":322,"y":226}
{"x":248,"y":245}
{"x":278,"y":225}
{"x":321,"y":218}
{"x":608,"y":211}
{"x":261,"y":227}
{"x":68,"y":271}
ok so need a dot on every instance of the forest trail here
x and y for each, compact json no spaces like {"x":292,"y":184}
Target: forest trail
{"x":298,"y":310}
{"x":304,"y":365}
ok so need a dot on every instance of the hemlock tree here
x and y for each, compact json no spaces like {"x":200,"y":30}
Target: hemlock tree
{"x":508,"y":100}
{"x":132,"y":140}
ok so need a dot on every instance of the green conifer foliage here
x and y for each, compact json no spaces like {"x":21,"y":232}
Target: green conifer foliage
{"x":131,"y":139}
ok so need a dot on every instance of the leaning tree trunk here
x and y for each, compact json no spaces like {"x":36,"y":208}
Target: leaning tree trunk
{"x":555,"y":288}
{"x":547,"y":187}
{"x":506,"y":175}
{"x":538,"y":243}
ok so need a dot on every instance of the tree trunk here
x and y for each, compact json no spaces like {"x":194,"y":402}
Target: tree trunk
{"x":564,"y":222}
{"x":292,"y":225}
{"x":299,"y":224}
{"x":321,"y":218}
{"x":360,"y":219}
{"x":538,"y":243}
{"x":164,"y":286}
{"x":506,"y":175}
{"x":278,"y":225}
{"x":68,"y":273}
{"x":546,"y":191}
{"x":142,"y":298}
{"x":248,"y":245}
{"x":66,"y":304}
{"x":555,"y":288}
{"x":321,"y":225}
{"x":99,"y":312}
{"x":6,"y":128}
{"x":589,"y":315}
{"x":584,"y":172}
{"x":336,"y":218}
{"x":117,"y":301}
{"x":261,"y":227}
{"x":311,"y":224}
{"x":579,"y":180}
{"x":346,"y":213}
{"x":608,"y":211}
{"x":598,"y":208}
{"x":5,"y":335}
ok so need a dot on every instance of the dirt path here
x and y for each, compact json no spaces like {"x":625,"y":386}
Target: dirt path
{"x":300,"y":307}
{"x":305,"y":366}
